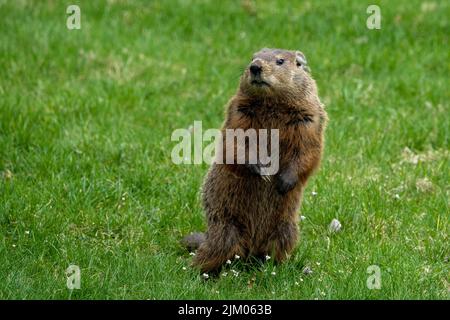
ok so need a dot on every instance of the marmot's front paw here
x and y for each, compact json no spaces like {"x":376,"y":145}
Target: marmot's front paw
{"x":254,"y":169}
{"x":285,"y":182}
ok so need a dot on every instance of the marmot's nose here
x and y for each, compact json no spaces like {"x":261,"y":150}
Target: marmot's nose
{"x":255,"y":69}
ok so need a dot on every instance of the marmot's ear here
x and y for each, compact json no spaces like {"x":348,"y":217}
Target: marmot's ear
{"x":301,"y":61}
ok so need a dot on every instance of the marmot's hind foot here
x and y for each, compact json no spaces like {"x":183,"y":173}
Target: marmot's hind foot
{"x":222,"y":244}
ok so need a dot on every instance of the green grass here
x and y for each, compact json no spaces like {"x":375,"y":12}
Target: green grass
{"x":86,"y":117}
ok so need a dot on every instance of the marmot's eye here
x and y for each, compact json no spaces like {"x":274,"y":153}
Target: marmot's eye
{"x":299,"y":64}
{"x":280,"y":62}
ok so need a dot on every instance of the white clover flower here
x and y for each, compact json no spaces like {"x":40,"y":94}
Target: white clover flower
{"x":302,"y":218}
{"x":296,"y":283}
{"x":184,"y":268}
{"x":424,"y":185}
{"x":267,"y":258}
{"x":192,"y":253}
{"x":314,"y":193}
{"x":205,"y":276}
{"x":273,"y":273}
{"x":334,"y":226}
{"x":307,"y":270}
{"x":224,"y":274}
{"x":27,"y":232}
{"x":228,"y":261}
{"x":237,"y":257}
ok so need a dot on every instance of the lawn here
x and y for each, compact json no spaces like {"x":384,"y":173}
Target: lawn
{"x":86,"y":176}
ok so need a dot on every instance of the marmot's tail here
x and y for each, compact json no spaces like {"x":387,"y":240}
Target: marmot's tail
{"x":193,"y":241}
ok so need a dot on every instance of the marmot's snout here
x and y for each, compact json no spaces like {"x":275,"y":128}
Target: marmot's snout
{"x":256,"y":69}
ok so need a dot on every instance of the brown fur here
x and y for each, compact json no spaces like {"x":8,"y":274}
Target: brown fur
{"x":246,"y":215}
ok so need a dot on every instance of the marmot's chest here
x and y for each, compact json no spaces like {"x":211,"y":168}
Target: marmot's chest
{"x":276,"y":118}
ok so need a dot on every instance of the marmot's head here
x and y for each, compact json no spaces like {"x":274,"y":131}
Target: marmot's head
{"x":277,"y":72}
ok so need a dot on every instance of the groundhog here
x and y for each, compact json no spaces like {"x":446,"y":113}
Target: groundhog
{"x":248,"y":213}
